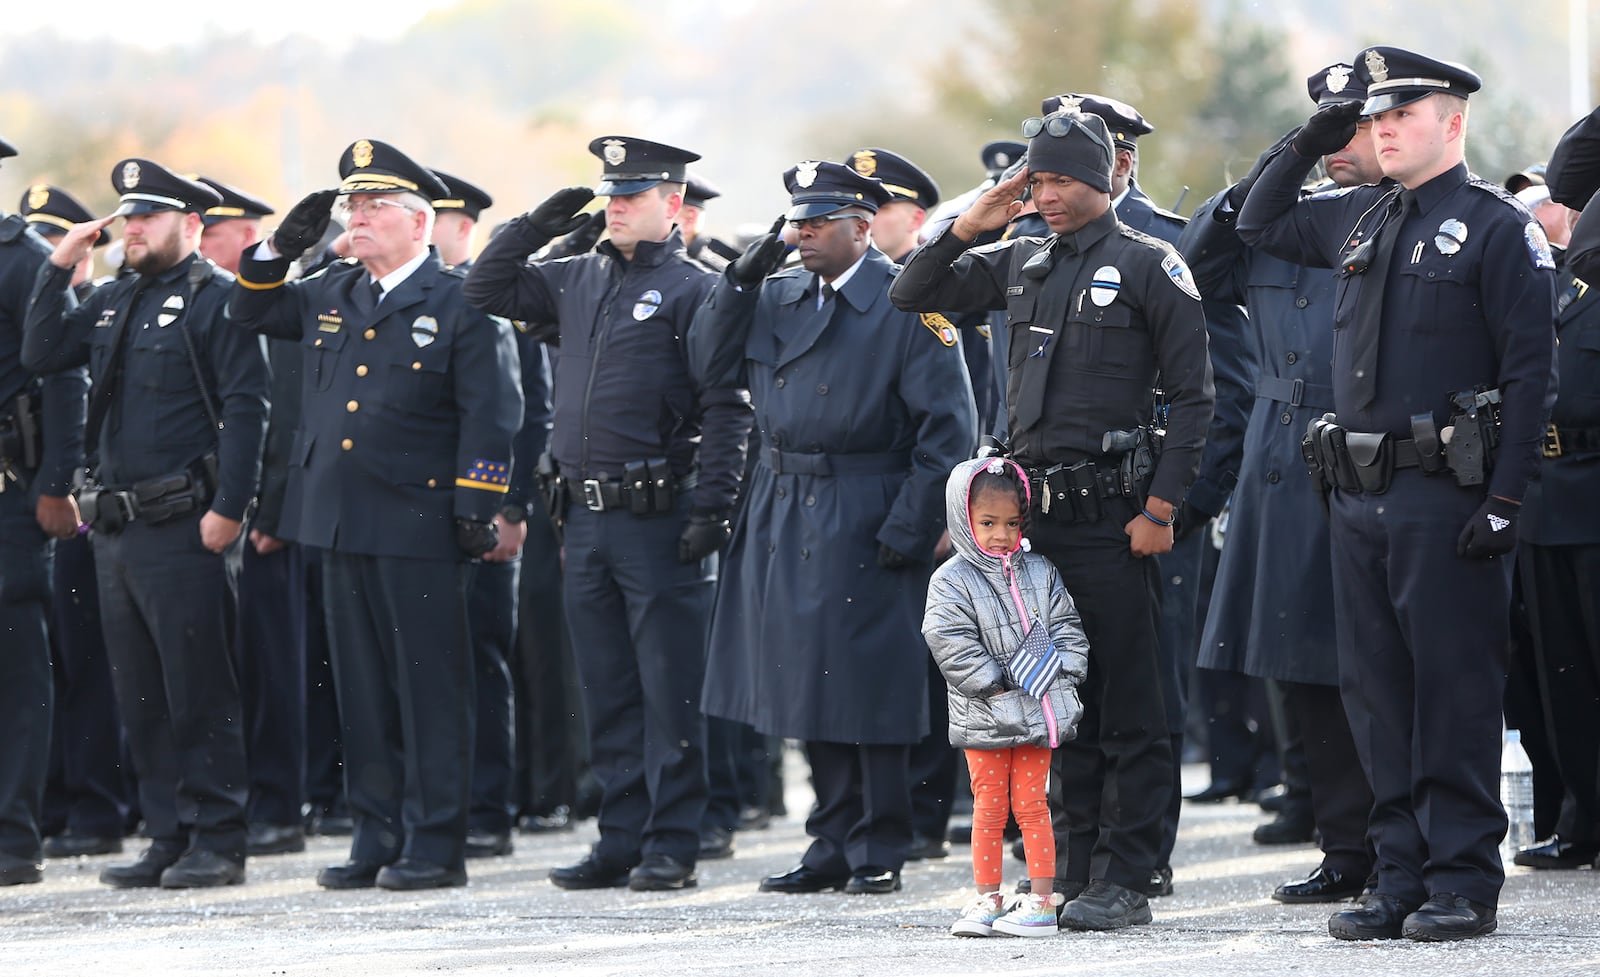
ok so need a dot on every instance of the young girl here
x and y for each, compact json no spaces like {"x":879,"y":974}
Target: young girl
{"x":981,"y":608}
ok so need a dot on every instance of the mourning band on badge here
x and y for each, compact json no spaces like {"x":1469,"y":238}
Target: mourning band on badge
{"x":424,"y":330}
{"x":1452,"y":234}
{"x":648,"y":305}
{"x":1105,"y":286}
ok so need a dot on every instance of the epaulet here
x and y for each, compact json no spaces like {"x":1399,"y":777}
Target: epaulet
{"x":789,"y":271}
{"x":1495,"y":189}
{"x":704,"y":265}
{"x":11,"y":228}
{"x":1141,"y":237}
{"x":1181,"y":220}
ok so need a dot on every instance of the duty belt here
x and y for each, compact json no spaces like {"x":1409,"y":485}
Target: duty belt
{"x":602,"y":494}
{"x":1560,"y":441}
{"x":1072,"y":493}
{"x":817,"y":463}
{"x":1295,"y":393}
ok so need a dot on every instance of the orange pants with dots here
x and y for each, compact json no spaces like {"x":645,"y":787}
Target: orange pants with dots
{"x":1014,"y":778}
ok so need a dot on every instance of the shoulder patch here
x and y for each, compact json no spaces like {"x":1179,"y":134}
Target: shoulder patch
{"x":939,"y":326}
{"x":1538,"y":245}
{"x":1176,"y":270}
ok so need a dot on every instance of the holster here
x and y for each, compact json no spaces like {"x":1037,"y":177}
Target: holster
{"x":554,"y":490}
{"x":662,"y":495}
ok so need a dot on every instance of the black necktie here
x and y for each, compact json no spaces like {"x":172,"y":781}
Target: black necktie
{"x":377,"y":292}
{"x":1365,"y":331}
{"x":827,"y":294}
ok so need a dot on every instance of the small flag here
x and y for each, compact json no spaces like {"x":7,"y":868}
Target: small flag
{"x":1036,"y":662}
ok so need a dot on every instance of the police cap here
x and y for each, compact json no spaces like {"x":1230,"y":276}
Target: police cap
{"x":6,"y":149}
{"x":236,"y":204}
{"x":818,"y":188}
{"x":1336,"y":83}
{"x":147,"y":187}
{"x":699,"y":192}
{"x":1000,"y":154}
{"x":371,"y":166}
{"x":1396,"y":77}
{"x":1522,"y":179}
{"x":1123,"y":120}
{"x":52,"y":211}
{"x":461,"y":196}
{"x":903,"y":179}
{"x":635,"y":165}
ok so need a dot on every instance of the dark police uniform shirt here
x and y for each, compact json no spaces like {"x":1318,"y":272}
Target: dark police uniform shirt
{"x":1115,"y":307}
{"x":1574,"y":178}
{"x":1559,"y":509}
{"x":622,"y":387}
{"x":61,"y":403}
{"x":1469,"y":300}
{"x":158,"y":423}
{"x":407,"y":411}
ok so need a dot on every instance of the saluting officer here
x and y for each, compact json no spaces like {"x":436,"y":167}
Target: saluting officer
{"x":1095,"y":311}
{"x":175,"y":423}
{"x":708,"y":250}
{"x":1445,"y":309}
{"x":455,"y":221}
{"x":863,"y":411}
{"x":410,"y":400}
{"x":651,"y":464}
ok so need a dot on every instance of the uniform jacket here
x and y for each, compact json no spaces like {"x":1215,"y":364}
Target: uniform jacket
{"x":622,"y":387}
{"x":1559,"y":509}
{"x":810,"y":637}
{"x":61,"y":400}
{"x":1469,"y":300}
{"x":158,"y":423}
{"x":407,"y":411}
{"x":973,"y":628}
{"x":1574,"y":178}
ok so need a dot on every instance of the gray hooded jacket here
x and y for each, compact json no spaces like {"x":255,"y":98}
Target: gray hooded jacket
{"x":973,"y":627}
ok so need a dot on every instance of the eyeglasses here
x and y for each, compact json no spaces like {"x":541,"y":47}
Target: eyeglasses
{"x":368,"y":208}
{"x":1058,"y":126}
{"x":818,"y":223}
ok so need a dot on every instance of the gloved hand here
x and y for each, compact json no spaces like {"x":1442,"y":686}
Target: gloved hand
{"x":1241,"y":189}
{"x":559,"y":215}
{"x":1187,"y":519}
{"x":304,"y":224}
{"x":1492,"y":530}
{"x":890,"y":558}
{"x":760,"y":259}
{"x":476,"y":538}
{"x":704,"y":534}
{"x":581,"y":241}
{"x":1329,"y":130}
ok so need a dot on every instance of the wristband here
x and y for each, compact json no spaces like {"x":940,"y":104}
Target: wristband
{"x":1167,"y":523}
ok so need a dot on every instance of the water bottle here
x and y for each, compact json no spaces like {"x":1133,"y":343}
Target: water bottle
{"x":1516,"y":794}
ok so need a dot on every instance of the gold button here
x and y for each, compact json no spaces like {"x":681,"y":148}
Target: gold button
{"x":417,"y":365}
{"x":317,"y":343}
{"x":347,"y":444}
{"x":352,"y":407}
{"x":433,"y":483}
{"x":361,"y":370}
{"x":370,"y":334}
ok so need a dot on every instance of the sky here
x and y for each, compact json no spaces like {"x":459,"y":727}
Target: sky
{"x":161,"y":22}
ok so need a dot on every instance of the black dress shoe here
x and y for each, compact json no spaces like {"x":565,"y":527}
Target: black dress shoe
{"x":925,"y":847}
{"x":1447,"y":916}
{"x":488,"y":844}
{"x":1323,"y":885}
{"x":409,"y":874}
{"x":1105,"y":905}
{"x":591,"y":873}
{"x":145,"y":873}
{"x":1550,"y":853}
{"x":1375,"y":917}
{"x":1160,"y":882}
{"x":558,"y":818}
{"x":274,"y":839}
{"x":803,"y":879}
{"x":873,"y":883}
{"x":200,"y":868}
{"x":1218,"y":792}
{"x":69,"y":845}
{"x":350,"y":875}
{"x":661,"y":873}
{"x":715,"y":842}
{"x":1288,"y":828}
{"x":16,"y":870}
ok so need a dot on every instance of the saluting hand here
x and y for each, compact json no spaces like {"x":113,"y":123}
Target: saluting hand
{"x":305,"y":224}
{"x":1329,"y":130}
{"x":763,"y":257}
{"x":994,"y":209}
{"x":76,"y":244}
{"x":558,"y":214}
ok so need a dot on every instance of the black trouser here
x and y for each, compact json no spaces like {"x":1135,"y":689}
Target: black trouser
{"x":1422,"y":637}
{"x":861,"y":824}
{"x":1111,"y":787}
{"x":90,"y":788}
{"x":1562,"y":588}
{"x":933,"y":764}
{"x":324,"y":736}
{"x":1341,"y":800}
{"x":25,"y":690}
{"x":402,"y":666}
{"x":553,"y":754}
{"x":492,"y":617}
{"x":162,"y":608}
{"x":639,"y":621}
{"x":1239,"y":739}
{"x":270,"y":644}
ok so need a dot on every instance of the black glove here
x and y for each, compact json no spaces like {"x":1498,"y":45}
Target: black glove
{"x":1329,"y":130}
{"x":760,"y":259}
{"x":1241,"y":189}
{"x":304,"y":224}
{"x":1492,"y":530}
{"x":476,"y":538}
{"x":1187,"y":519}
{"x":890,"y":558}
{"x":559,"y":215}
{"x":704,"y":534}
{"x":581,"y":241}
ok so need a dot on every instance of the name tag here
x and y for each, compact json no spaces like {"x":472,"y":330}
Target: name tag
{"x":1014,"y":289}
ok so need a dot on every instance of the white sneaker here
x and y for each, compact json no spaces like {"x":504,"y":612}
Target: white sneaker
{"x":978,"y":918}
{"x":1030,"y":915}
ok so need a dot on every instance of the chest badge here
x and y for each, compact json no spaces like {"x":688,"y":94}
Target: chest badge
{"x":648,"y":305}
{"x":1452,"y":235}
{"x":424,"y":330}
{"x":170,"y":309}
{"x":1105,"y":285}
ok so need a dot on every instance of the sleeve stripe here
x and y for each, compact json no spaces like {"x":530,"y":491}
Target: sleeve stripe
{"x":259,"y":286}
{"x":470,"y":483}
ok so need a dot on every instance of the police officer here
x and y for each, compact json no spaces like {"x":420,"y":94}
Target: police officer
{"x":647,"y":505}
{"x":175,"y":422}
{"x":1574,"y":179}
{"x":41,"y":430}
{"x":403,"y":455}
{"x":912,"y":194}
{"x":1271,"y":615}
{"x":231,"y":226}
{"x":456,"y":216}
{"x":1095,"y":311}
{"x":701,"y":246}
{"x":845,"y":507}
{"x":1445,"y":305}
